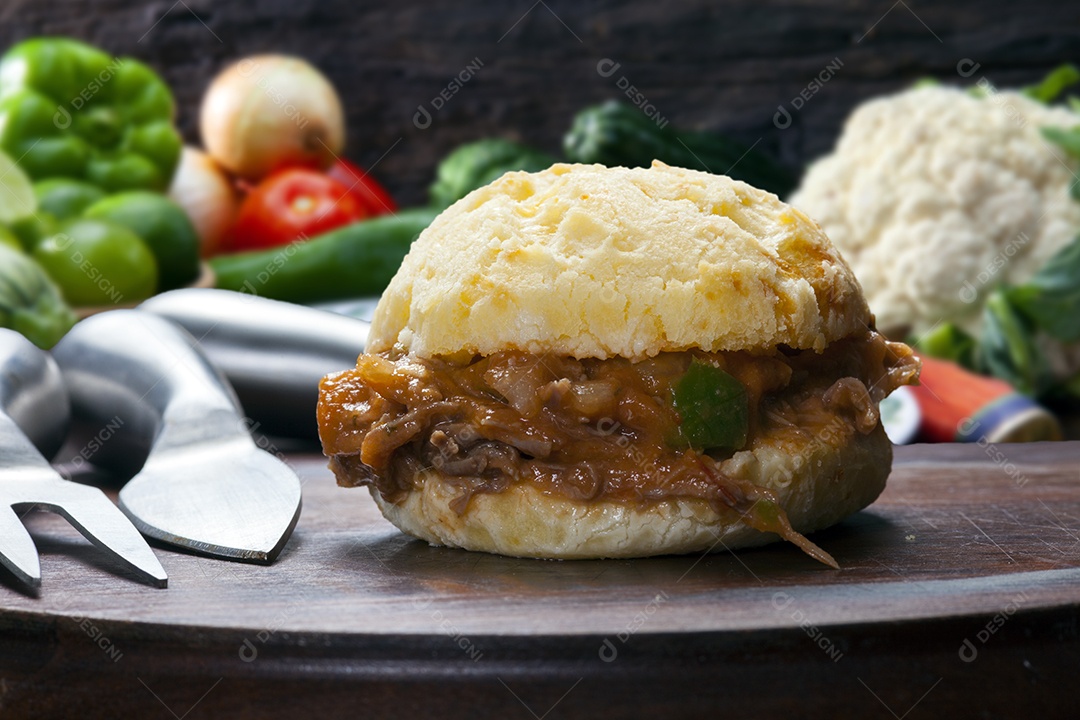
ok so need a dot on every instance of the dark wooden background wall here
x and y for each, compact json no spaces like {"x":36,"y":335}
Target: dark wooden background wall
{"x":724,"y":65}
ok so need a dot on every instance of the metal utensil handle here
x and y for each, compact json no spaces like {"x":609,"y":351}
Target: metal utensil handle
{"x":143,"y":379}
{"x":273,"y":353}
{"x":32,"y":393}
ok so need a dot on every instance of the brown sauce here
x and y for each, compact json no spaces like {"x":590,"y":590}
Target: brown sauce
{"x":587,"y":429}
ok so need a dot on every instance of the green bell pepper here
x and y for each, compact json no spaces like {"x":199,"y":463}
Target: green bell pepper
{"x":70,"y":110}
{"x":713,"y":407}
{"x":64,"y":198}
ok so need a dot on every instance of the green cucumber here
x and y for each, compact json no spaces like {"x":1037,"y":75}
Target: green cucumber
{"x":616,"y":134}
{"x":353,"y":261}
{"x":29,"y":301}
{"x":478,"y":163}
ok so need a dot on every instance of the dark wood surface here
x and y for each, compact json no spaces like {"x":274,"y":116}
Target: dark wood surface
{"x":356,"y":619}
{"x":701,"y":64}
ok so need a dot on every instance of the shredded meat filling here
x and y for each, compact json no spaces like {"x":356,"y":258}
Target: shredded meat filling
{"x":583,"y":429}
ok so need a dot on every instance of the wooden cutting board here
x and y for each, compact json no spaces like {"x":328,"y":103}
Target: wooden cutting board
{"x":959,"y":595}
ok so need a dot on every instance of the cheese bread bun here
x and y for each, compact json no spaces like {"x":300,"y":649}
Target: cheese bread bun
{"x":593,"y":362}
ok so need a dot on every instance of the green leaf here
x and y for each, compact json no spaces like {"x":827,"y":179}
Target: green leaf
{"x":1054,"y":84}
{"x":1067,"y":139}
{"x":1051,"y":298}
{"x":713,"y":407}
{"x":948,"y":342}
{"x":1007,"y":347}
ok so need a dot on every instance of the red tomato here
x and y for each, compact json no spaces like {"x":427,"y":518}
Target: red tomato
{"x":370,"y":193}
{"x":290,"y":205}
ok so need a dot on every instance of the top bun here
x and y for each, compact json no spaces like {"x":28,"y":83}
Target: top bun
{"x":589,"y":261}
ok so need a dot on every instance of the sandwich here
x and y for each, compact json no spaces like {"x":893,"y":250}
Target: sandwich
{"x":592,"y":362}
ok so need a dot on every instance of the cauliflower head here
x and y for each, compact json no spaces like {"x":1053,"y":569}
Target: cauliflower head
{"x":934,"y":196}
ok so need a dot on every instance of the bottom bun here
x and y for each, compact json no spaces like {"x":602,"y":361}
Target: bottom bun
{"x":818,"y":478}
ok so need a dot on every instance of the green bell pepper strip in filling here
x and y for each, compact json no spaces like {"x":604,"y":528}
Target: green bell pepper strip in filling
{"x":713,"y":407}
{"x":70,"y":110}
{"x":760,"y":510}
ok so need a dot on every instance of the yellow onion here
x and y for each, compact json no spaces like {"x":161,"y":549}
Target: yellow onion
{"x":207,"y":195}
{"x":267,"y":112}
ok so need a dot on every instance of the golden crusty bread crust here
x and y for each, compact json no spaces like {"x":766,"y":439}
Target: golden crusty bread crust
{"x":819,"y":476}
{"x":588,"y":261}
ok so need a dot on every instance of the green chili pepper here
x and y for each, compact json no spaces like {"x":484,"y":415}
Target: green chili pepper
{"x":713,"y":407}
{"x":70,"y":110}
{"x":354,"y":260}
